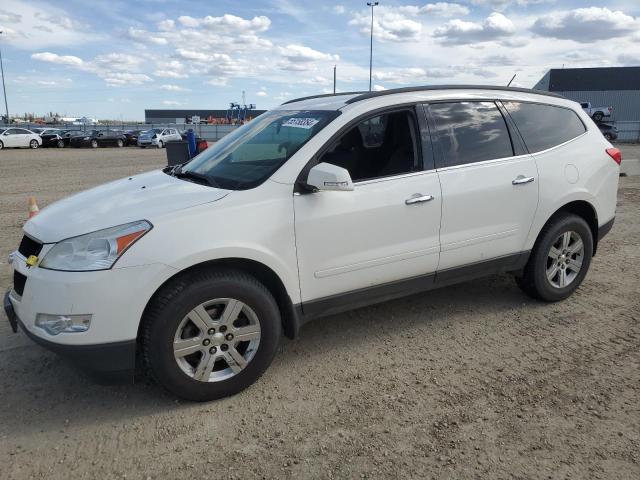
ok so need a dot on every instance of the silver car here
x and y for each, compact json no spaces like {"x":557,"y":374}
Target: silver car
{"x":158,"y":137}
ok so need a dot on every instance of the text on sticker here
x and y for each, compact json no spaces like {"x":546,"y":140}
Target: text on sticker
{"x":300,"y":122}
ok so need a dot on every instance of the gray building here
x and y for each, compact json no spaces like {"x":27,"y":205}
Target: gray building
{"x":618,"y":87}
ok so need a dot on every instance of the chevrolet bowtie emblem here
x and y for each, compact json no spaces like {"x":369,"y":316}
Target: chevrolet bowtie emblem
{"x":31,"y":261}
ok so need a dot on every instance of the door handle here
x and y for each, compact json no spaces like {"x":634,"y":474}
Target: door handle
{"x":521,"y":180}
{"x":418,"y":198}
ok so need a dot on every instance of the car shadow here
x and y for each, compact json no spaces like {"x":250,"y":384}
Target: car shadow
{"x":56,"y":395}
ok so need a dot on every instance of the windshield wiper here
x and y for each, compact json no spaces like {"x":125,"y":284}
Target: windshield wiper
{"x":178,"y":173}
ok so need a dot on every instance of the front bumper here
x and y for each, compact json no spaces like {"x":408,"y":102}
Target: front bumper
{"x":153,"y":142}
{"x":115,"y":298}
{"x":107,"y":363}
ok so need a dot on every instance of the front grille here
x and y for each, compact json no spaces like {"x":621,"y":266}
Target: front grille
{"x":19,"y":281}
{"x":29,"y":247}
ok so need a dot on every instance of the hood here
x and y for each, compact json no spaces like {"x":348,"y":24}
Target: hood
{"x":140,"y":197}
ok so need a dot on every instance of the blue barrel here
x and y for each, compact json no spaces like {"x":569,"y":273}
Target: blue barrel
{"x":191,"y":140}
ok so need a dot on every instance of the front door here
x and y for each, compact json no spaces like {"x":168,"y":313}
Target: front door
{"x":489,"y":184}
{"x":383,"y":231}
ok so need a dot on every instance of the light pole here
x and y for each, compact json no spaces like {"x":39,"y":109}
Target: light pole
{"x":4,"y":90}
{"x":372,"y":5}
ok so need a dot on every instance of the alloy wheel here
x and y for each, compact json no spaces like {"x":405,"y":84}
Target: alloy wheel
{"x":564,"y":260}
{"x":216,"y":340}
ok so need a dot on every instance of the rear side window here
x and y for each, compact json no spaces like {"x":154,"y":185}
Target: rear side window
{"x":544,"y":126}
{"x":470,"y":132}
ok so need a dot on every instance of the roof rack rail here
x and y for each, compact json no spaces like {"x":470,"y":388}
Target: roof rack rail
{"x":311,"y":97}
{"x":366,"y":95}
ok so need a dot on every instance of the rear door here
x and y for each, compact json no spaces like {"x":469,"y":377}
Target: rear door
{"x":489,"y":183}
{"x":9,"y":138}
{"x":385,"y":230}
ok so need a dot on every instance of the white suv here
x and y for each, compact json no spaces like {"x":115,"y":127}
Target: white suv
{"x":321,"y":205}
{"x":158,"y":137}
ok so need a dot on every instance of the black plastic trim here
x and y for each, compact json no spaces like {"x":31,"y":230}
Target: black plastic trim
{"x":606,"y":228}
{"x":381,"y":293}
{"x":325,"y":95}
{"x":105,"y":362}
{"x":10,"y":312}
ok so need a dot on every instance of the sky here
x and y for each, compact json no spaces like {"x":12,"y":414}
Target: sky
{"x":112,"y":59}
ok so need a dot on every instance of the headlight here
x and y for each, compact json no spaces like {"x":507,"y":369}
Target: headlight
{"x":94,"y":251}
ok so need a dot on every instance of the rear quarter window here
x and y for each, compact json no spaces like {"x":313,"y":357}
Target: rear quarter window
{"x":544,"y":126}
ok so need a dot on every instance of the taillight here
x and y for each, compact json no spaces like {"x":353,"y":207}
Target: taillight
{"x":616,"y":154}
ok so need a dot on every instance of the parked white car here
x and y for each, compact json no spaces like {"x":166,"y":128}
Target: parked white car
{"x":19,"y":138}
{"x":321,"y":205}
{"x":158,"y":137}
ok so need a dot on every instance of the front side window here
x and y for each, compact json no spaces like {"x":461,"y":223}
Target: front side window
{"x":381,"y":146}
{"x":252,"y":153}
{"x":470,"y":132}
{"x":544,"y":126}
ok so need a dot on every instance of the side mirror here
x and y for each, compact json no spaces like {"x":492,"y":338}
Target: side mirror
{"x":326,"y":176}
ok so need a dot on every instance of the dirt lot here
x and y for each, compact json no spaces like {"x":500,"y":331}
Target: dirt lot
{"x":471,"y":381}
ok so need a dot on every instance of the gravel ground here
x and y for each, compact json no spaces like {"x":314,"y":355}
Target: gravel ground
{"x":471,"y":381}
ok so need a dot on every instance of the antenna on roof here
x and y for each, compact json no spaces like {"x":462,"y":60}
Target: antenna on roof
{"x":514,"y":76}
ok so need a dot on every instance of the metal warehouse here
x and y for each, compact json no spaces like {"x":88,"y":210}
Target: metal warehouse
{"x":618,"y":87}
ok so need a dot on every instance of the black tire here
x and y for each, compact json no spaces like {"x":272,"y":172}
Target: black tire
{"x":534,"y":281}
{"x":34,"y":144}
{"x":120,"y":143}
{"x":60,"y":144}
{"x":160,"y":144}
{"x":1,"y":145}
{"x":172,"y":303}
{"x":597,"y":116}
{"x":607,"y":136}
{"x":94,"y":144}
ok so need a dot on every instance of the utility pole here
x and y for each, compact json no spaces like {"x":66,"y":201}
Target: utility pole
{"x":334,"y":79}
{"x":372,"y":5}
{"x":4,"y":90}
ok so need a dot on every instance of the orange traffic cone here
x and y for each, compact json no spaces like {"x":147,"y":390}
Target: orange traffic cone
{"x":33,"y":207}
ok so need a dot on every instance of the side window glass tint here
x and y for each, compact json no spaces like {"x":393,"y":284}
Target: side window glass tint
{"x":471,"y":132}
{"x":380,"y":146}
{"x":544,"y":126}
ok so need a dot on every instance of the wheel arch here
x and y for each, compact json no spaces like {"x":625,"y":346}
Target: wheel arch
{"x":583,"y":209}
{"x":264,"y":274}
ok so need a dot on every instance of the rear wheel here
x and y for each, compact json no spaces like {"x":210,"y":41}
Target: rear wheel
{"x":560,"y":259}
{"x":607,"y":136}
{"x":94,"y":143}
{"x":160,"y":144}
{"x":34,"y":144}
{"x":120,"y":143}
{"x":597,"y":116}
{"x":210,"y":334}
{"x":1,"y":145}
{"x":60,"y":144}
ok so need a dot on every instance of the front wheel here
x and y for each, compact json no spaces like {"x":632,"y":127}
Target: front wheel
{"x":559,"y":260}
{"x":34,"y":144}
{"x":60,"y":144}
{"x":160,"y":144}
{"x":94,"y":144}
{"x":607,"y":136}
{"x":1,"y":145}
{"x":120,"y":143}
{"x":210,"y":334}
{"x":597,"y":116}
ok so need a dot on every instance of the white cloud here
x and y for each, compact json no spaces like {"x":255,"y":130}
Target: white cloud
{"x":173,"y":103}
{"x":378,"y":88}
{"x":144,"y":36}
{"x":339,"y":9}
{"x":494,"y":27}
{"x":218,"y":82}
{"x":586,"y":25}
{"x":118,"y":79}
{"x":49,"y":57}
{"x":172,"y":88}
{"x":228,"y":23}
{"x":301,"y":54}
{"x":261,"y":93}
{"x":415,"y":75}
{"x":390,"y":24}
{"x":166,"y":25}
{"x":444,"y":9}
{"x":170,"y":69}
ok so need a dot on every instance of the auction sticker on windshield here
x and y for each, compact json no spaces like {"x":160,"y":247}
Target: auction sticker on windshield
{"x":301,"y":122}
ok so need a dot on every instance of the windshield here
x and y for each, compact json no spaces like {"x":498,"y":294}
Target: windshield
{"x":248,"y":156}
